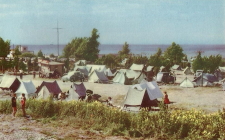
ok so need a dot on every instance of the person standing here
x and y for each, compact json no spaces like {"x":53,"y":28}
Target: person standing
{"x":14,"y":104}
{"x":23,"y":102}
{"x":166,"y":99}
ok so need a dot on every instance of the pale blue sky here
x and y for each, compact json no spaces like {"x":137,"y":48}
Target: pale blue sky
{"x":118,"y":21}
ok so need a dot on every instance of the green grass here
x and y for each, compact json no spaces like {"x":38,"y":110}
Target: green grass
{"x":164,"y":124}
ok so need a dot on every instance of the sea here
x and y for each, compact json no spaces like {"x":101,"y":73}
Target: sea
{"x":144,"y":50}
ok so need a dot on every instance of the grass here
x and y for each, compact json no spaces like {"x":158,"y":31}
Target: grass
{"x":173,"y":124}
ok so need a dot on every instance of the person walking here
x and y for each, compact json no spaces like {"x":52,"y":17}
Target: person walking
{"x":13,"y":100}
{"x":23,"y":103}
{"x":166,"y":99}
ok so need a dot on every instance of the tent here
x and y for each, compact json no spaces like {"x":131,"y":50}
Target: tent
{"x":27,"y":88}
{"x":222,"y":69}
{"x":98,"y":77}
{"x":121,"y":78}
{"x":205,"y":79}
{"x":84,"y":71}
{"x":96,"y":67}
{"x":149,"y":68}
{"x":137,"y":67}
{"x":131,"y":74}
{"x":187,"y":83}
{"x":43,"y":93}
{"x":187,"y":71}
{"x":76,"y":91}
{"x":140,"y":78}
{"x":10,"y":83}
{"x":48,"y":88}
{"x":152,"y":89}
{"x":80,"y":63}
{"x":176,"y":67}
{"x":109,"y":73}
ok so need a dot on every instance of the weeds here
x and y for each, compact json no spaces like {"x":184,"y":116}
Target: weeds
{"x":164,"y":124}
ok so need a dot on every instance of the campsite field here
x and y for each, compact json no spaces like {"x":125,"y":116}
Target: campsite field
{"x":208,"y":99}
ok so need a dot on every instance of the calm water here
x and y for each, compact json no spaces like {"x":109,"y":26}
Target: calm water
{"x":190,"y":50}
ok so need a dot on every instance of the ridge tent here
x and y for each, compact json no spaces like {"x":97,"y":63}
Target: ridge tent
{"x":27,"y":88}
{"x":121,"y":78}
{"x":187,"y":83}
{"x":149,"y":68}
{"x":84,"y":71}
{"x":10,"y":83}
{"x":109,"y":73}
{"x":76,"y":91}
{"x":96,"y":67}
{"x":131,"y":74}
{"x":137,"y":67}
{"x":98,"y":77}
{"x":43,"y":93}
{"x":188,"y":71}
{"x":140,"y":78}
{"x":152,"y":89}
{"x":176,"y":67}
{"x":205,"y":79}
{"x":80,"y":63}
{"x":52,"y":88}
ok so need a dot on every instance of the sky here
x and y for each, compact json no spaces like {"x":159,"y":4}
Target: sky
{"x":117,"y":21}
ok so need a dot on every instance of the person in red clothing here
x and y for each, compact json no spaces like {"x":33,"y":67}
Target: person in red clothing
{"x":166,"y":100}
{"x":23,"y":103}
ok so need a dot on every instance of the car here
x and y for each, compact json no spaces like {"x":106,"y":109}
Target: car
{"x":73,"y":76}
{"x":165,"y":77}
{"x":198,"y":73}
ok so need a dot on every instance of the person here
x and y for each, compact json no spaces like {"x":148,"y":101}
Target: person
{"x":166,"y":99}
{"x":109,"y":101}
{"x":34,"y":74}
{"x":21,"y":75}
{"x":23,"y":103}
{"x":14,"y":104}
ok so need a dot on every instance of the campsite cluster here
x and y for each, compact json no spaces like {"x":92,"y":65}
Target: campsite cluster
{"x":144,"y":91}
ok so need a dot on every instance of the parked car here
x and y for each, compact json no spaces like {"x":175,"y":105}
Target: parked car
{"x":73,"y":76}
{"x":198,"y":73}
{"x":165,"y":77}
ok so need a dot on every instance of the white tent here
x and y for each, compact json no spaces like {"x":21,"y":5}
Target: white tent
{"x":98,"y":77}
{"x":187,"y":71}
{"x":137,"y":67}
{"x":72,"y":95}
{"x":121,"y":78}
{"x":26,"y":87}
{"x":43,"y":93}
{"x":152,"y":88}
{"x":187,"y":83}
{"x":176,"y":67}
{"x":96,"y":67}
{"x":109,"y":73}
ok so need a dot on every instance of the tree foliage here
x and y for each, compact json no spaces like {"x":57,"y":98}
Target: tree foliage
{"x":83,"y":48}
{"x":108,"y":60}
{"x":207,"y":64}
{"x":174,"y":54}
{"x":125,"y":50}
{"x":17,"y":51}
{"x":28,"y":54}
{"x":4,"y":47}
{"x":40,"y":54}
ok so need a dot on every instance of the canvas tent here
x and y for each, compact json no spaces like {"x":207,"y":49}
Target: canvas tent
{"x":205,"y":79}
{"x":98,"y":77}
{"x":76,"y":91}
{"x":138,"y":80}
{"x":26,"y":87}
{"x":80,"y":63}
{"x":48,"y":88}
{"x":109,"y":73}
{"x":10,"y":83}
{"x":187,"y":71}
{"x":131,"y":74}
{"x":176,"y":67}
{"x":152,"y":89}
{"x":137,"y":67}
{"x":121,"y":78}
{"x":187,"y":83}
{"x":96,"y":67}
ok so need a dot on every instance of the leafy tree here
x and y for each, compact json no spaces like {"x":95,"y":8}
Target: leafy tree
{"x":17,"y":51}
{"x":52,"y":55}
{"x":174,"y":54}
{"x":92,"y":51}
{"x":40,"y":54}
{"x":198,"y":63}
{"x":156,"y":60}
{"x":108,"y":60}
{"x":28,"y":54}
{"x":21,"y":65}
{"x":125,"y":51}
{"x":4,"y":51}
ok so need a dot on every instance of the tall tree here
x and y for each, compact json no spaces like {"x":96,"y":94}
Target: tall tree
{"x":17,"y":51}
{"x":4,"y":51}
{"x":125,"y":50}
{"x":174,"y":54}
{"x":92,"y":51}
{"x":40,"y":54}
{"x":198,"y":63}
